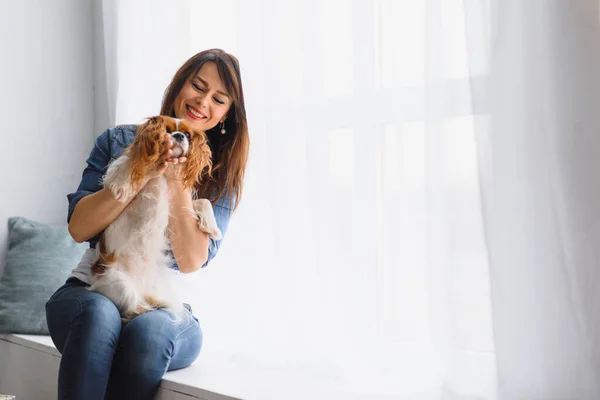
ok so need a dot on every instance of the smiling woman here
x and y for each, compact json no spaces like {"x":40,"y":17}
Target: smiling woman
{"x":203,"y":99}
{"x":128,"y":361}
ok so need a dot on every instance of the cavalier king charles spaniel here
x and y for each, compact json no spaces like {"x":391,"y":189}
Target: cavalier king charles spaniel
{"x":132,"y":265}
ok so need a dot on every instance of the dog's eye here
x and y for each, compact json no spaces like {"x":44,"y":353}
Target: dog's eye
{"x":169,"y":130}
{"x":187,"y":135}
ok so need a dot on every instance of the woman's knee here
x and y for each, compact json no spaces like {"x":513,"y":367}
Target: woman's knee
{"x":93,"y":315}
{"x":153,"y":339}
{"x":102,"y":316}
{"x":148,"y":341}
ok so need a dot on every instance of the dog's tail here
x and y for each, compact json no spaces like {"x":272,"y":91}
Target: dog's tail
{"x":151,"y":303}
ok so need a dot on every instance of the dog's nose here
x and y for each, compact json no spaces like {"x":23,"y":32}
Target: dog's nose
{"x":178,"y":136}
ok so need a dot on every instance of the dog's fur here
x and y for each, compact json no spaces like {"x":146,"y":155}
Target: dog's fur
{"x":132,"y":268}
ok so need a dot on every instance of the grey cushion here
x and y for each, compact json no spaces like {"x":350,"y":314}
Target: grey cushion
{"x":39,"y":259}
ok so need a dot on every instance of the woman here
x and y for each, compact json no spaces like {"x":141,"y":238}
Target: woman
{"x":100,"y":356}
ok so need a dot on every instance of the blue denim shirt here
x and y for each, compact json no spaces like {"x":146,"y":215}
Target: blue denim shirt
{"x":108,"y":147}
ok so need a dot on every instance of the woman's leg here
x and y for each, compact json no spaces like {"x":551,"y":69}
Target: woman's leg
{"x":85,"y":327}
{"x":150,"y":345}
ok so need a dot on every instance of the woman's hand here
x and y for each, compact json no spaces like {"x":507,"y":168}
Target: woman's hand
{"x":166,"y":160}
{"x":172,"y":171}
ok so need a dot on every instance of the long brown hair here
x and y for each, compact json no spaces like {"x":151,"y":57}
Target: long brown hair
{"x":230,"y":151}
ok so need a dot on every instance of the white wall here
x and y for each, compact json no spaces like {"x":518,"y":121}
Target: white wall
{"x":46,"y":105}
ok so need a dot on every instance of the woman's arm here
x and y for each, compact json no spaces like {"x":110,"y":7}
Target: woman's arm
{"x":188,"y":242}
{"x":94,"y":213}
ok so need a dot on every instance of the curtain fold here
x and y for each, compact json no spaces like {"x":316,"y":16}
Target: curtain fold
{"x":538,"y":163}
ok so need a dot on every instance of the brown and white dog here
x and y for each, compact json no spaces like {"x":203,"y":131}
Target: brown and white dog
{"x":132,"y":267}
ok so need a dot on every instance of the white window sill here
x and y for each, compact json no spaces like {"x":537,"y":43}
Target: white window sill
{"x":211,"y":378}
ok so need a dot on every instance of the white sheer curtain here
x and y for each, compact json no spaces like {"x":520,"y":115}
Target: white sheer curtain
{"x":357,"y":255}
{"x":539,"y":165}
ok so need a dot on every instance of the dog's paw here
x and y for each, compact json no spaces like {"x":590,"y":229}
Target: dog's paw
{"x":118,"y":179}
{"x":121,"y":193}
{"x":206,"y":218}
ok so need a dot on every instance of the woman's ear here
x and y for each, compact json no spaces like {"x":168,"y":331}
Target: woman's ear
{"x":146,"y":148}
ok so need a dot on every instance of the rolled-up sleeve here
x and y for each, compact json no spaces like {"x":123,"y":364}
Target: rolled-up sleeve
{"x":222,"y":213}
{"x":91,"y":179}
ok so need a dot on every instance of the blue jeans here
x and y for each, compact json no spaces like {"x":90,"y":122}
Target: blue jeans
{"x":101,"y":358}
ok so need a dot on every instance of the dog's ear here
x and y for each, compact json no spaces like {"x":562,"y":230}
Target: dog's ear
{"x":146,"y":148}
{"x":199,"y":158}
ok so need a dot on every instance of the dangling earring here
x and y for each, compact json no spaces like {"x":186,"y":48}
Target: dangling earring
{"x":223,"y":131}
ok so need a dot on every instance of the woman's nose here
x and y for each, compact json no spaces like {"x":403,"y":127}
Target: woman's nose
{"x":202,"y":101}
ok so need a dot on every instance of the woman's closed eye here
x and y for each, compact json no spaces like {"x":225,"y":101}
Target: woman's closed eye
{"x":201,"y":90}
{"x":198,"y":87}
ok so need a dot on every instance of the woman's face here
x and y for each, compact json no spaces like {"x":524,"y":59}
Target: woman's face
{"x":203,"y":101}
